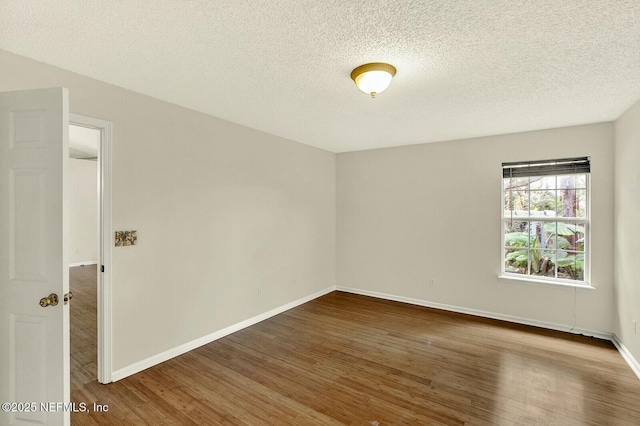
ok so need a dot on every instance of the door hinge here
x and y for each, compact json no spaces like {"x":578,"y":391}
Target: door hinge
{"x":101,"y":268}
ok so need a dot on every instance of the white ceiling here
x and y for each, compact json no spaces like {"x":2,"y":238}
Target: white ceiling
{"x":465,"y":68}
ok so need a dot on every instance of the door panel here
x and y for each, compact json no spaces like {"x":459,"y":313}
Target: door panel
{"x":28,"y":335}
{"x":27,"y":225}
{"x":34,"y":348}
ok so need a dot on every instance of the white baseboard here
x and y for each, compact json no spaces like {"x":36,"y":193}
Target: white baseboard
{"x":164,"y":356}
{"x":179,"y":350}
{"x":626,"y":354}
{"x":88,"y":262}
{"x":478,"y":313}
{"x":628,"y":357}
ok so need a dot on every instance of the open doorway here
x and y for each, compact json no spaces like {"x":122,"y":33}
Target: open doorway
{"x":90,"y":243}
{"x":84,"y":242}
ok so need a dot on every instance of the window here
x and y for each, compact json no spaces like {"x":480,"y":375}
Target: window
{"x":545,"y":222}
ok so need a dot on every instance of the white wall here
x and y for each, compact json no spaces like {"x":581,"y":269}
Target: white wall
{"x":222,"y":211}
{"x":404,"y":216}
{"x":627,"y":228}
{"x":83,"y":211}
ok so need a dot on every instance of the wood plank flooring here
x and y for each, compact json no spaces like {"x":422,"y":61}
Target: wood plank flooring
{"x":348,"y":359}
{"x":83,"y":330}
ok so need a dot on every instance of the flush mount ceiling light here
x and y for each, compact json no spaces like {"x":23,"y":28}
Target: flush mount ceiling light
{"x":373,"y":78}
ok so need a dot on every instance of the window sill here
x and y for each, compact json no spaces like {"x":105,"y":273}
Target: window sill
{"x":546,"y":283}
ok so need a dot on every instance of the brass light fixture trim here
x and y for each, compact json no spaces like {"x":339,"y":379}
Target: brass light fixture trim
{"x":374,"y":77}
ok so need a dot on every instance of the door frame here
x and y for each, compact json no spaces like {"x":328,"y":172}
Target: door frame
{"x":104,"y":303}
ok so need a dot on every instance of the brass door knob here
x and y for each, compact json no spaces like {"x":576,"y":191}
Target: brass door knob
{"x":67,"y":297}
{"x":51,"y":300}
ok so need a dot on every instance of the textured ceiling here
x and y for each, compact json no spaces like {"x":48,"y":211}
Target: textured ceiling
{"x":465,"y":68}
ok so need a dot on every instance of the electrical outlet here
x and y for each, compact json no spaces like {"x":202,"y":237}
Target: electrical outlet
{"x":259,"y":291}
{"x":432,"y":282}
{"x":635,"y":327}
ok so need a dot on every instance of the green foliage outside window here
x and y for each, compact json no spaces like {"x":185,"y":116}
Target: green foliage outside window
{"x":545,"y":226}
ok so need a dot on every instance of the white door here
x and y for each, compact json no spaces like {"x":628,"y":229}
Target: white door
{"x":34,"y":340}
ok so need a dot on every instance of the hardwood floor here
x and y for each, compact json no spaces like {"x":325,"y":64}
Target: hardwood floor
{"x":83,"y":330}
{"x":348,"y":359}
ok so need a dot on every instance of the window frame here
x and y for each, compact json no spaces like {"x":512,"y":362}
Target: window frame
{"x":585,"y":221}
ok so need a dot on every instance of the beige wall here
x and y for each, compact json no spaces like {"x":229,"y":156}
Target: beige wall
{"x":409,"y":214}
{"x":627,"y":225}
{"x":222,"y":212}
{"x":83,"y":211}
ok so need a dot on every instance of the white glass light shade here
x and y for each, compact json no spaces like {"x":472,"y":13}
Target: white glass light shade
{"x":373,"y":78}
